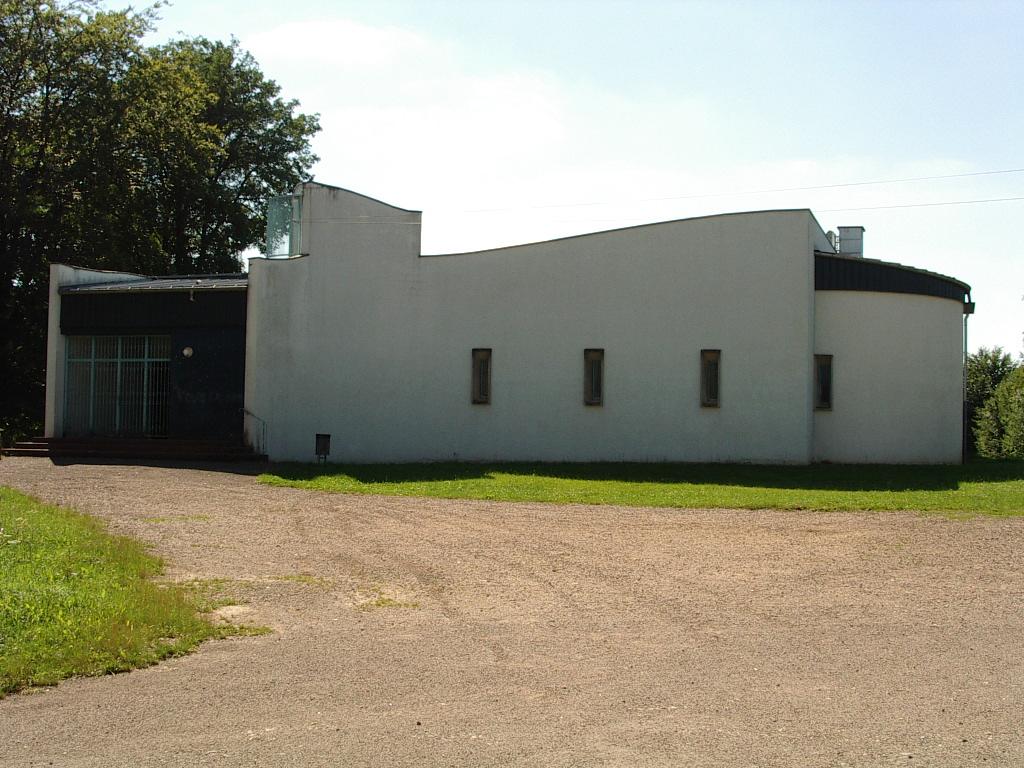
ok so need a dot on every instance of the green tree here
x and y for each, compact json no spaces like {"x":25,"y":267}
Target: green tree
{"x":117,"y":156}
{"x":1000,"y":424}
{"x":262,"y":149}
{"x":56,"y":67}
{"x":986,"y":368}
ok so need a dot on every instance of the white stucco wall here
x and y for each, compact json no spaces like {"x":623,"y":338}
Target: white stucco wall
{"x":897,"y":378}
{"x":365,"y":339}
{"x":370,"y":342}
{"x":61,"y":275}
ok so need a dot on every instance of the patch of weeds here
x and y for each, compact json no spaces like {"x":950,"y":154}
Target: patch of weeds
{"x":373,"y":597}
{"x":211,"y":594}
{"x":960,"y":515}
{"x":176,"y":518}
{"x":386,"y":602}
{"x":305,"y":578}
{"x":75,"y":600}
{"x":243,"y":630}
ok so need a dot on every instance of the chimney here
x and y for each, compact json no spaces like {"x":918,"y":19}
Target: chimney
{"x":851,"y":241}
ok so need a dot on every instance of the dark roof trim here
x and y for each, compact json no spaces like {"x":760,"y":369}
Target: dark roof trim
{"x":228,"y":282}
{"x":853,"y":273}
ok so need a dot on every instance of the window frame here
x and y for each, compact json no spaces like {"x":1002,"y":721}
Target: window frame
{"x":707,"y":357}
{"x":480,"y":395}
{"x":592,"y":396}
{"x":821,"y":404}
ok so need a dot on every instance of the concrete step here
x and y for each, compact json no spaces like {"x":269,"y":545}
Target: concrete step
{"x":159,"y":449}
{"x":134,"y":442}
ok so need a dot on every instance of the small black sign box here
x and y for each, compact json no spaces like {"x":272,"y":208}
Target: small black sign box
{"x":323,"y":446}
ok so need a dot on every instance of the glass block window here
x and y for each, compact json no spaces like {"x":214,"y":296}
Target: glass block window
{"x":284,"y":217}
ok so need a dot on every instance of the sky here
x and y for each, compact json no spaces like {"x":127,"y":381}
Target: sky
{"x":511,"y":122}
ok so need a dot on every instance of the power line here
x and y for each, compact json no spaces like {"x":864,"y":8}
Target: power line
{"x":641,"y":220}
{"x":923,"y":205}
{"x":753,"y":191}
{"x":402,"y":220}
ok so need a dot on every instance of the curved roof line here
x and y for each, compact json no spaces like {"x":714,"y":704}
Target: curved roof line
{"x":619,"y":229}
{"x":897,"y":265}
{"x":833,"y":272}
{"x":360,"y":194}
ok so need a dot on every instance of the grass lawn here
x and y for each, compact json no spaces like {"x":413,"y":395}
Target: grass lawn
{"x":979,"y":487}
{"x":76,"y":601}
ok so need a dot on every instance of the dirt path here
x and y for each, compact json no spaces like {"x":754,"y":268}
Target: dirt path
{"x":537,"y":635}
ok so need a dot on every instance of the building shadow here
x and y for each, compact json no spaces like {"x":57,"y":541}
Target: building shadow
{"x":246,"y":468}
{"x":836,"y":477}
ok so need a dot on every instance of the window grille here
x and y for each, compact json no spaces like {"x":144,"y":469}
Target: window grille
{"x":116,"y":385}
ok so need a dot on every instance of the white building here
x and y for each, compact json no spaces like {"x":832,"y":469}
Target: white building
{"x":734,"y":338}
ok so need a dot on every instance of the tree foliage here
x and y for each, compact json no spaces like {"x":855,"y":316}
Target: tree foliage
{"x":1000,"y":424}
{"x":986,"y":368}
{"x":117,"y":156}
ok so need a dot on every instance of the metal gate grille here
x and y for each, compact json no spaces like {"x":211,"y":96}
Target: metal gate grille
{"x":116,"y":385}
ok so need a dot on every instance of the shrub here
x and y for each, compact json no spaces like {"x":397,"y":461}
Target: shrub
{"x":999,"y":427}
{"x":986,"y":369}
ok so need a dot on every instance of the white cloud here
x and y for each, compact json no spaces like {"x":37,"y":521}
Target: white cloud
{"x":341,"y":46}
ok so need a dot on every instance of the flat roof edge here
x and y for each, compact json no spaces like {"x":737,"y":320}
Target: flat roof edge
{"x":164,"y":284}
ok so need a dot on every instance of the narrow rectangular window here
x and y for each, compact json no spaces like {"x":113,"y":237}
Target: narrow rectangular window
{"x":481,"y":376}
{"x":710,"y":370}
{"x":593,"y":376}
{"x":823,"y":382}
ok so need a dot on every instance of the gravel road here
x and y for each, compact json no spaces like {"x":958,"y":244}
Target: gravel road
{"x":423,"y":632}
